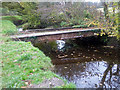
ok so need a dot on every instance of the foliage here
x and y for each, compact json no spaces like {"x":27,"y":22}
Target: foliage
{"x":113,"y":24}
{"x":7,"y":27}
{"x":109,"y":23}
{"x":66,"y":24}
{"x":30,"y":17}
{"x":28,"y":7}
{"x":32,"y":21}
{"x":80,"y":26}
{"x":4,"y":11}
{"x":56,"y":14}
{"x":11,"y":8}
{"x":24,"y":9}
{"x":42,"y":15}
{"x":66,"y":17}
{"x":63,"y":23}
{"x":87,"y":14}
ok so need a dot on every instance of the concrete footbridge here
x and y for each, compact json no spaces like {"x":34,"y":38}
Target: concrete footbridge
{"x":61,"y":34}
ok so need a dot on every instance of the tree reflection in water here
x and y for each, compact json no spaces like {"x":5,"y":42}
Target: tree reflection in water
{"x":115,"y":74}
{"x":116,"y":78}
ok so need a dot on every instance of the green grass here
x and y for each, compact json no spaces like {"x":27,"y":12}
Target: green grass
{"x":22,"y":61}
{"x":12,"y":18}
{"x":0,"y":69}
{"x":7,"y":27}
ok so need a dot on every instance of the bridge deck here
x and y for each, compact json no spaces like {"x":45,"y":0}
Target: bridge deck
{"x":55,"y":33}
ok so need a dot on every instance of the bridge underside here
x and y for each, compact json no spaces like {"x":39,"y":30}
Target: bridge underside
{"x":61,"y":36}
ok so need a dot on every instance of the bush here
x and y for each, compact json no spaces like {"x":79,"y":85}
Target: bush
{"x":32,"y":19}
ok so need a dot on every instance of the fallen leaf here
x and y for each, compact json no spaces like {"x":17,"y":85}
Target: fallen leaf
{"x":23,"y":87}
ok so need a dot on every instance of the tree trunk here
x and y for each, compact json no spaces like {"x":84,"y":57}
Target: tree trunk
{"x":106,"y":11}
{"x":119,"y":17}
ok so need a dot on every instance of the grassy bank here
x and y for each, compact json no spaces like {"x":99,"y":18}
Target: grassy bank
{"x":7,"y":27}
{"x":23,"y":63}
{"x":0,"y":74}
{"x":12,"y":18}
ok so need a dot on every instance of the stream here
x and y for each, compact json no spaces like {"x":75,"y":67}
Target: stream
{"x":86,"y":62}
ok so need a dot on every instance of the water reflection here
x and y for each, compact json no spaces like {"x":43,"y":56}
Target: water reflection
{"x":87,"y":65}
{"x":20,"y":29}
{"x":83,"y":74}
{"x":60,"y":44}
{"x":94,"y":74}
{"x":111,"y":77}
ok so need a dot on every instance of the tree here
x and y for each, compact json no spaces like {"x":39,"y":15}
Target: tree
{"x":111,"y":23}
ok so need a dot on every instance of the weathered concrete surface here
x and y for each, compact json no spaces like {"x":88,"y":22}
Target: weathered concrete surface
{"x":48,"y":83}
{"x":53,"y":33}
{"x":65,"y":36}
{"x":59,"y":35}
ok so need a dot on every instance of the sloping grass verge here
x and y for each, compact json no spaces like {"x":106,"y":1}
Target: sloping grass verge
{"x":7,"y":27}
{"x":0,"y":66}
{"x":12,"y":18}
{"x":22,"y":61}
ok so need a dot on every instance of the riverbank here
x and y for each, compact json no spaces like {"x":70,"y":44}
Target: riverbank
{"x":23,"y":65}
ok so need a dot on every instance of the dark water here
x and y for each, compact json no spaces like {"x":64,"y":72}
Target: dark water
{"x":86,"y":62}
